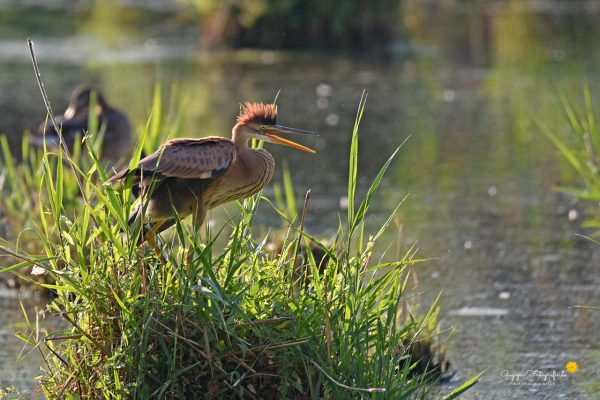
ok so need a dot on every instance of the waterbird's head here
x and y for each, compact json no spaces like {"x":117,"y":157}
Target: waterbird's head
{"x":259,"y":121}
{"x":80,"y":100}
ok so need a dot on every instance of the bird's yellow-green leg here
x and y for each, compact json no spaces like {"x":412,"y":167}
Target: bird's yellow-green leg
{"x":150,"y":236}
{"x":198,"y":216}
{"x":152,"y":239}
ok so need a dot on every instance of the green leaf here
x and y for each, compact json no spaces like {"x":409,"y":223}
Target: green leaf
{"x":353,"y":161}
{"x":464,"y":387}
{"x":364,"y":206}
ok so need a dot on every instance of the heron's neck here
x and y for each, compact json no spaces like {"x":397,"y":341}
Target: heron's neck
{"x":242,"y":144}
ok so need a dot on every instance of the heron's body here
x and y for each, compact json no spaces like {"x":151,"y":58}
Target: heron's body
{"x":74,"y":122}
{"x":191,"y":176}
{"x":251,"y":170}
{"x":222,"y":174}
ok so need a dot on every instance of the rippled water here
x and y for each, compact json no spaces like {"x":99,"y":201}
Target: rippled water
{"x":19,"y":364}
{"x":469,"y":86}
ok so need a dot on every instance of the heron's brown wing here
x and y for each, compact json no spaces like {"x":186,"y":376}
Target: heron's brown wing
{"x":185,"y":158}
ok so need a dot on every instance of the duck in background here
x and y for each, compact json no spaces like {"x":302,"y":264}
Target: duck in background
{"x":74,"y":121}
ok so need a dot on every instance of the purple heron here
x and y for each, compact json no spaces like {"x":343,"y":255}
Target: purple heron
{"x":113,"y":123}
{"x":191,"y":176}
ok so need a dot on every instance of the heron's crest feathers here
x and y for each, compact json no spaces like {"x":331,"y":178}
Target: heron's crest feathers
{"x":260,"y":113}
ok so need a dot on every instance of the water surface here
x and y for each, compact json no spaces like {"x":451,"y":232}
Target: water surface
{"x":469,"y":85}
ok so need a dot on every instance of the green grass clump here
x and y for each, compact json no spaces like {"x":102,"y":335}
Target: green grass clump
{"x":220,"y":317}
{"x":582,"y":152}
{"x":23,"y":196}
{"x":581,"y":149}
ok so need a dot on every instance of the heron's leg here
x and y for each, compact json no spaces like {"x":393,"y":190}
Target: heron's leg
{"x":151,"y":236}
{"x":198,"y":217}
{"x":150,"y":233}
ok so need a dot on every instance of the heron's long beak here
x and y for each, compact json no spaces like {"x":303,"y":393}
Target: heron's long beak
{"x":269,"y":132}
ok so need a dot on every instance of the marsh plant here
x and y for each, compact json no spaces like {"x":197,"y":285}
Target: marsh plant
{"x":215,"y":315}
{"x":581,"y":149}
{"x":23,"y":194}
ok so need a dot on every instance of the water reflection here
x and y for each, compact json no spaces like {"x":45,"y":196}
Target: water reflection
{"x":19,"y":364}
{"x":476,"y":80}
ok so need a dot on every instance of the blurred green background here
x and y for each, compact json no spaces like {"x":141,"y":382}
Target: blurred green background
{"x":469,"y":81}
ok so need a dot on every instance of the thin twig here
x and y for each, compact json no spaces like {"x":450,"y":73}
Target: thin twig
{"x":586,"y":307}
{"x":243,"y":364}
{"x":103,"y":349}
{"x":264,"y":321}
{"x":328,"y":338}
{"x":64,"y":337}
{"x":208,"y":351}
{"x":20,"y":256}
{"x":304,"y":210}
{"x":62,"y":143}
{"x":367,"y":390}
{"x":64,"y":386}
{"x":192,"y":343}
{"x":294,"y":288}
{"x":46,"y":340}
{"x":286,"y":343}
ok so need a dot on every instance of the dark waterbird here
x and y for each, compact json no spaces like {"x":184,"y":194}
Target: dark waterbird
{"x":112,"y":123}
{"x":192,"y":176}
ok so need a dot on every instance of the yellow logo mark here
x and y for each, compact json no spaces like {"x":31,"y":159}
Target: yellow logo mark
{"x":571,"y":367}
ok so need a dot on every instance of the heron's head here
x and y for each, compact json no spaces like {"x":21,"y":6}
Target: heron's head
{"x":259,"y":121}
{"x":80,"y":100}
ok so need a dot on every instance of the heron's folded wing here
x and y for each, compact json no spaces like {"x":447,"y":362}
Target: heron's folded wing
{"x":186,"y":158}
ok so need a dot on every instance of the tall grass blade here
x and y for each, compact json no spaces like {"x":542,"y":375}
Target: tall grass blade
{"x":464,"y":387}
{"x":353,"y":159}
